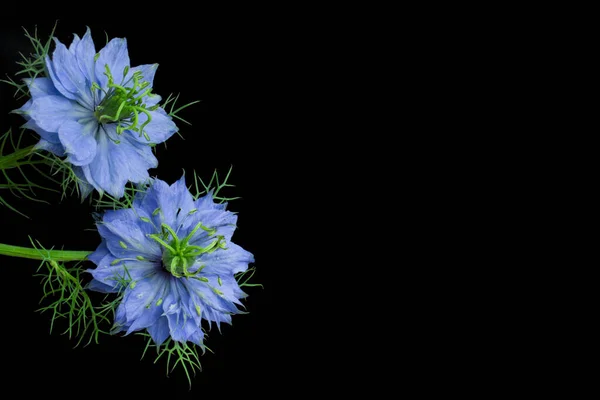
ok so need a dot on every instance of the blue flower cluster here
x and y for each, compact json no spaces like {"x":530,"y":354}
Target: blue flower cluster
{"x":169,"y":255}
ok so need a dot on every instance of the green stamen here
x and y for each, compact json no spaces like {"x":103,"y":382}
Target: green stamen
{"x":172,"y":232}
{"x":179,"y":256}
{"x":162,"y":242}
{"x":123,"y":105}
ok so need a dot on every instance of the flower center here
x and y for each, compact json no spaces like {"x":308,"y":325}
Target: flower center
{"x":123,"y":105}
{"x":179,"y":256}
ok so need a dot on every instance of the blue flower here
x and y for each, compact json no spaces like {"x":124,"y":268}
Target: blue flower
{"x":172,"y":259}
{"x":99,"y":113}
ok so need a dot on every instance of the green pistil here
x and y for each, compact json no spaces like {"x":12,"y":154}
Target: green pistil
{"x":178,"y":255}
{"x":124,"y":105}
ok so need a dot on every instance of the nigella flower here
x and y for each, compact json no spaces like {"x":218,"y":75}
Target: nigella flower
{"x":99,"y":113}
{"x":173,"y":260}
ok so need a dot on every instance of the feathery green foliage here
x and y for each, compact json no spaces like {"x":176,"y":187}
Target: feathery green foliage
{"x":32,"y":64}
{"x":13,"y":157}
{"x":183,"y":354}
{"x":213,"y":185}
{"x":69,"y":301}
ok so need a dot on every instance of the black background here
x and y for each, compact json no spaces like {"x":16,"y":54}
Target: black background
{"x":242,"y":121}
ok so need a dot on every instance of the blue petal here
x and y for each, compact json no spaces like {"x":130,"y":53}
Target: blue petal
{"x":87,"y":176}
{"x":160,"y":128}
{"x":108,"y":274}
{"x":207,"y":202}
{"x":66,"y":69}
{"x":147,"y":70}
{"x":180,"y":198}
{"x":84,"y":187}
{"x":119,"y":232}
{"x":112,"y":275}
{"x":181,"y":326}
{"x":56,"y":81}
{"x":74,"y":43}
{"x":223,"y":221}
{"x":39,"y":87}
{"x":116,"y":56}
{"x":197,"y":337}
{"x":108,"y":270}
{"x":212,"y":315}
{"x":116,"y":164}
{"x":103,"y":263}
{"x":227,"y":262}
{"x":194,"y":306}
{"x":24,"y":110}
{"x":208,"y":297}
{"x":152,"y":100}
{"x":228,"y":286}
{"x":159,"y":331}
{"x":99,"y":254}
{"x":101,"y":257}
{"x":50,"y":112}
{"x":149,"y":201}
{"x":85,"y":51}
{"x":120,"y":323}
{"x":133,"y":216}
{"x":51,"y":137}
{"x":53,"y":148}
{"x":98,"y":286}
{"x":149,"y":198}
{"x":140,"y":302}
{"x":171,"y":304}
{"x":175,"y":202}
{"x":79,"y":141}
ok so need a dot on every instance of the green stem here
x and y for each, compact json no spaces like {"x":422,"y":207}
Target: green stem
{"x":36,"y":254}
{"x":12,"y":160}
